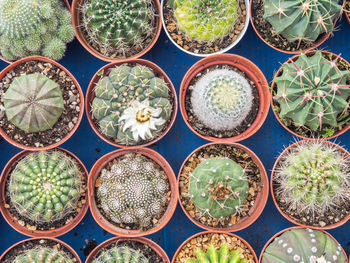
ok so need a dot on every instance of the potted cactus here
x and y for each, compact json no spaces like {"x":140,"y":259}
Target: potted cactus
{"x":223,"y":187}
{"x":310,"y":95}
{"x":129,"y":34}
{"x":42,"y":27}
{"x":131,"y":103}
{"x":204,"y":27}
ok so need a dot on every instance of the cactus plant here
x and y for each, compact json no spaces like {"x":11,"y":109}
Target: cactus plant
{"x":131,"y":104}
{"x":133,"y":191}
{"x":33,"y":102}
{"x":121,"y":254}
{"x":218,"y":187}
{"x":303,"y":245}
{"x":40,"y":255}
{"x":221,"y":99}
{"x":45,"y":186}
{"x":312,"y":91}
{"x":39,"y":27}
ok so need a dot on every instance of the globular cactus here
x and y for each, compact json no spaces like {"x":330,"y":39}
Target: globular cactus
{"x":312,"y":91}
{"x":218,"y":187}
{"x":41,"y":255}
{"x":45,"y":186}
{"x":33,"y":102}
{"x":133,"y":191}
{"x":303,"y":245}
{"x":121,"y":254}
{"x":38,"y":27}
{"x":206,"y":20}
{"x":222,"y":99}
{"x":131,"y":104}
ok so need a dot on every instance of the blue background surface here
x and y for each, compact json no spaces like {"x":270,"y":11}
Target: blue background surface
{"x":267,"y":143}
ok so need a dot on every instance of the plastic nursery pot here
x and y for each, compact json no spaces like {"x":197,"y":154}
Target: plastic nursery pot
{"x":81,"y":103}
{"x":90,"y":95}
{"x":76,"y":4}
{"x":294,"y":58}
{"x":149,"y":243}
{"x":22,"y":228}
{"x":63,"y":244}
{"x":251,"y":71}
{"x":259,"y":202}
{"x":94,"y":174}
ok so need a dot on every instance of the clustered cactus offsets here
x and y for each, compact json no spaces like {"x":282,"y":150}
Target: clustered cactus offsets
{"x":303,"y":245}
{"x":121,"y":254}
{"x":43,"y":255}
{"x":133,"y":191}
{"x":34,"y":27}
{"x":131,"y":105}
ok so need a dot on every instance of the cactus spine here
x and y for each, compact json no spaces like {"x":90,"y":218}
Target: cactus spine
{"x":121,"y":255}
{"x":47,"y":255}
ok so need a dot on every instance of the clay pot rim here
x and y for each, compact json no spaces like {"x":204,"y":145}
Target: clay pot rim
{"x":347,"y":127}
{"x":252,"y":72}
{"x":347,"y":14}
{"x":81,"y":38}
{"x":146,"y":241}
{"x":90,"y":95}
{"x":94,"y":174}
{"x":264,"y":191}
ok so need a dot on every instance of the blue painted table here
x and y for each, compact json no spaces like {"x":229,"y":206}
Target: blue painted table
{"x":267,"y":143}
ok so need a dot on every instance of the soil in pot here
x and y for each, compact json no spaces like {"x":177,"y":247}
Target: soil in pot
{"x":69,"y":112}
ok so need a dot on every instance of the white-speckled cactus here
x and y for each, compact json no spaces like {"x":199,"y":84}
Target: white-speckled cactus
{"x":121,"y":254}
{"x":43,"y":255}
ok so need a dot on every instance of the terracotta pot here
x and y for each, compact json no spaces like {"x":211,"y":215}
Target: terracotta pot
{"x":214,"y":232}
{"x":148,"y":242}
{"x":290,"y":218}
{"x":90,"y":95}
{"x":81,"y":104}
{"x":70,"y":249}
{"x":80,"y":36}
{"x":23,"y":229}
{"x":94,"y":174}
{"x":259,"y":203}
{"x":347,"y":12}
{"x":294,"y":58}
{"x":251,"y":71}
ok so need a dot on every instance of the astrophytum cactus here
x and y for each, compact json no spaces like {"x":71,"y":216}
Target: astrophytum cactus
{"x":121,"y":254}
{"x":43,"y":255}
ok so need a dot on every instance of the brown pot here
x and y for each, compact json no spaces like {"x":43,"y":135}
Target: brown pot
{"x":81,"y":104}
{"x":259,"y":203}
{"x":90,"y":95}
{"x":80,"y":36}
{"x":71,"y":250}
{"x":252,"y":72}
{"x":290,"y":218}
{"x":294,"y":58}
{"x":94,"y":174}
{"x":23,"y":229}
{"x":160,"y":252}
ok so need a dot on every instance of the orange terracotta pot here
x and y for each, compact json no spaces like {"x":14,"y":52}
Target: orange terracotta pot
{"x":81,"y":104}
{"x":90,"y":95}
{"x":80,"y":36}
{"x":294,"y":58}
{"x":94,"y":174}
{"x":23,"y":229}
{"x":251,"y":71}
{"x":259,"y":203}
{"x":290,"y":218}
{"x":160,"y":252}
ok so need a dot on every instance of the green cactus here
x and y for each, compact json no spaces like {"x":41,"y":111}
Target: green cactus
{"x":303,"y":245}
{"x":312,"y":91}
{"x":121,"y":255}
{"x":35,"y":27}
{"x":218,"y":187}
{"x":45,"y":186}
{"x":133,"y":191}
{"x":206,"y":20}
{"x":131,"y":104}
{"x":222,"y":99}
{"x":43,"y":255}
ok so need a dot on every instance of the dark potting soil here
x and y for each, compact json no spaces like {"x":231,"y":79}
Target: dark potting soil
{"x":198,"y":126}
{"x":65,"y":123}
{"x":237,"y":155}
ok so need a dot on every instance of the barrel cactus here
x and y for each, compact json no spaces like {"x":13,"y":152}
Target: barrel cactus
{"x":38,"y":27}
{"x":222,"y":99}
{"x":131,"y":104}
{"x":121,"y":254}
{"x":312,"y":91}
{"x":45,"y":254}
{"x":303,"y":245}
{"x":218,"y":187}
